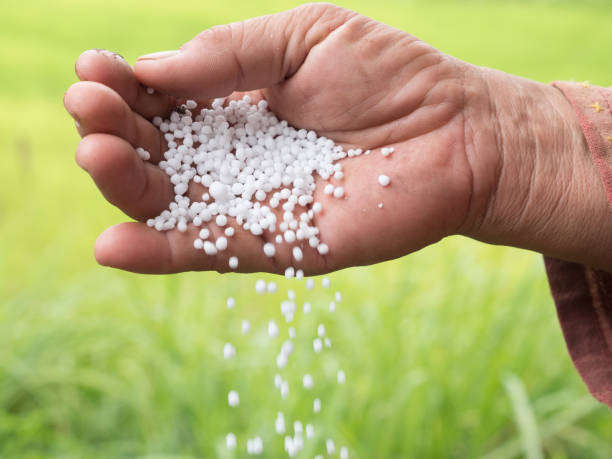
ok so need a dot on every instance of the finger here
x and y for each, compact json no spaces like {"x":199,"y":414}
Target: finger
{"x":138,"y":188}
{"x":99,"y":109}
{"x":253,"y":54}
{"x":110,"y":69}
{"x":136,"y":247}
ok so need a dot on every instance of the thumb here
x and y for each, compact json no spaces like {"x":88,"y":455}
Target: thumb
{"x":241,"y":56}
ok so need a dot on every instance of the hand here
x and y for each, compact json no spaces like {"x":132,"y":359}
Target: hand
{"x":357,"y":81}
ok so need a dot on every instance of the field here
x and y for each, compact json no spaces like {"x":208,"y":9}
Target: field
{"x":451,"y":352}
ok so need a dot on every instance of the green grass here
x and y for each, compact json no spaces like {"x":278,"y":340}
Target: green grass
{"x":452,"y":352}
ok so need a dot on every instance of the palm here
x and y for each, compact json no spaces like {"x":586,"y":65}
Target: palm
{"x":409,"y":99}
{"x":417,"y":107}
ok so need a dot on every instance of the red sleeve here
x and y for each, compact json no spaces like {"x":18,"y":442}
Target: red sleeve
{"x":583,"y":295}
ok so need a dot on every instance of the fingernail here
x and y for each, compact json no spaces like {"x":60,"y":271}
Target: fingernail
{"x":159,"y":55}
{"x":107,"y":53}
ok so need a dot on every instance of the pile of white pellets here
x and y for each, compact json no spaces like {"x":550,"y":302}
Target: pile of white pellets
{"x":253,"y":166}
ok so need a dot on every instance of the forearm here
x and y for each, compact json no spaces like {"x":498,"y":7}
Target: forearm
{"x":548,"y":195}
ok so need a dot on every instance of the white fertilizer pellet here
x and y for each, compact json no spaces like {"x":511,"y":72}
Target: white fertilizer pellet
{"x":230,"y":303}
{"x":297,"y":255}
{"x":233,"y":399}
{"x":321,"y":330}
{"x":330,"y":446}
{"x":271,"y":287}
{"x":317,"y":345}
{"x":260,"y":286}
{"x":229,"y":351}
{"x":323,"y":249}
{"x":221,"y":220}
{"x":310,"y":432}
{"x":254,"y":446}
{"x":230,"y":441}
{"x":269,"y":249}
{"x":325,"y":282}
{"x":281,"y":360}
{"x":245,"y":326}
{"x":233,"y":262}
{"x":272,"y":329}
{"x":144,"y":154}
{"x":338,"y":297}
{"x":279,"y":423}
{"x":341,"y":377}
{"x":384,"y":180}
{"x":210,"y":248}
{"x":307,"y":381}
{"x":387,"y":151}
{"x":287,"y":348}
{"x":290,"y":446}
{"x":344,"y":454}
{"x":284,"y":389}
{"x":204,"y":233}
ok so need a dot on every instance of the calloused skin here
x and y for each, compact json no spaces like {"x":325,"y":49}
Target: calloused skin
{"x":477,"y":152}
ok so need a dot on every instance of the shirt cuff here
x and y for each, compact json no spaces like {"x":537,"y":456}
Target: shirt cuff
{"x":583,"y":296}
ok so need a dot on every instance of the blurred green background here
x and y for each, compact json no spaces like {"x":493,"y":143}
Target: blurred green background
{"x":452,"y":352}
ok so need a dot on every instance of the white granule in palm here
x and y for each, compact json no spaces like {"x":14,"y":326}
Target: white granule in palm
{"x":250,"y":163}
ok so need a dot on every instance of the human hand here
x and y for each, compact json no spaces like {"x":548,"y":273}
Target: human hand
{"x":354,"y":80}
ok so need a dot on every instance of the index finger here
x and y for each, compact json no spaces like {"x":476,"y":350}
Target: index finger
{"x":110,"y":69}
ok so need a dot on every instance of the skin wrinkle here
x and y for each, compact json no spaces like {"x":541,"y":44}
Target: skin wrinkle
{"x":237,"y":41}
{"x":293,"y":46}
{"x":143,"y":192}
{"x":547,"y":222}
{"x":499,"y":142}
{"x":530,"y":195}
{"x":387,"y":136}
{"x":389,"y":129}
{"x":468,"y":149}
{"x":325,"y":24}
{"x":172,"y":264}
{"x":362,"y":106}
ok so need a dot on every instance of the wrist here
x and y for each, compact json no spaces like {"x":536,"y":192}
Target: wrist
{"x":544,"y":192}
